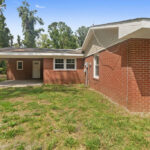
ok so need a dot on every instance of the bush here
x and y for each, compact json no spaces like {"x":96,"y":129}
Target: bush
{"x":2,"y":71}
{"x":3,"y":67}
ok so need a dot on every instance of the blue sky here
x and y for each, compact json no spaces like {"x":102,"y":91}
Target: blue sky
{"x":78,"y":12}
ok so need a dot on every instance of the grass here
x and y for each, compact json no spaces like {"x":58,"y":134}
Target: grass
{"x":70,"y":142}
{"x":92,"y":143}
{"x":67,"y":117}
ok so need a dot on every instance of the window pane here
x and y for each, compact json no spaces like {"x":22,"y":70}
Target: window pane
{"x":97,"y":60}
{"x":20,"y":65}
{"x":59,"y":66}
{"x":70,"y":66}
{"x":70,"y":61}
{"x":96,"y":66}
{"x":59,"y":61}
{"x":97,"y":70}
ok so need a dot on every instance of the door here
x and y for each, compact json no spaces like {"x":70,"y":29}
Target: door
{"x":36,"y":69}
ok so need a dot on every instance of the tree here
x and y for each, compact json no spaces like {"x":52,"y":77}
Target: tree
{"x":44,"y":42}
{"x":19,"y":41}
{"x":81,"y":34}
{"x":61,"y":36}
{"x":11,"y":40}
{"x":29,"y":20}
{"x":2,"y":6}
{"x":5,"y":35}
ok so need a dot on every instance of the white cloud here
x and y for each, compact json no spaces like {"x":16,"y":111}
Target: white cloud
{"x":38,"y":6}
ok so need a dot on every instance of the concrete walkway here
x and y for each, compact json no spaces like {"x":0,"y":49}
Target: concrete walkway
{"x":20,"y":83}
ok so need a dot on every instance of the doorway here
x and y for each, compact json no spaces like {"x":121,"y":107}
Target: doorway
{"x":36,"y":70}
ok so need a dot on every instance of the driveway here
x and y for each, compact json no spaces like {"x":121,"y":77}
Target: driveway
{"x":20,"y":83}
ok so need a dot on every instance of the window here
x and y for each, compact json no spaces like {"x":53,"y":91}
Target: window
{"x":59,"y":63}
{"x":70,"y":64}
{"x":64,"y":64}
{"x":96,"y":66}
{"x":19,"y":65}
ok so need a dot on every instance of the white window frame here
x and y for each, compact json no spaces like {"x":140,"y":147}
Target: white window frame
{"x":94,"y":71}
{"x":54,"y":64}
{"x":65,"y":64}
{"x":18,"y":65}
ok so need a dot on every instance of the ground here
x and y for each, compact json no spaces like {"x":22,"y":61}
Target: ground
{"x":67,"y":117}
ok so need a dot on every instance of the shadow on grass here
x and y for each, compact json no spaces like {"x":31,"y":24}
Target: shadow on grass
{"x":8,"y":93}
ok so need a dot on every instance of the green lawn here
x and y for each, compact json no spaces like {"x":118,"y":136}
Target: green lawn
{"x":67,"y":117}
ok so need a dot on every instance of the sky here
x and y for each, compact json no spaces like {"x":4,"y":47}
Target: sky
{"x":76,"y":13}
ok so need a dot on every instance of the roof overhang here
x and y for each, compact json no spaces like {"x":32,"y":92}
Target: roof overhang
{"x":135,"y":28}
{"x":36,"y":55}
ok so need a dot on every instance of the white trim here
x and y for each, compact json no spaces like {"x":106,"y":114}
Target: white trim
{"x":65,"y":69}
{"x":125,"y":29}
{"x":105,"y":49}
{"x":94,"y":71}
{"x":54,"y":64}
{"x":34,"y":54}
{"x":18,"y":66}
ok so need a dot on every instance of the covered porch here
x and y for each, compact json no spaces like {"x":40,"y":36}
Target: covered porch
{"x":24,"y":69}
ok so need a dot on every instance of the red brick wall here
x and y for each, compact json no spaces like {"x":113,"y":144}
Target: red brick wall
{"x":112,"y":73}
{"x":125,"y":74}
{"x":139,"y":75}
{"x":25,"y":74}
{"x":62,"y":77}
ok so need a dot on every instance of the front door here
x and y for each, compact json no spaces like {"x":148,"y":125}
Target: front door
{"x":36,"y":69}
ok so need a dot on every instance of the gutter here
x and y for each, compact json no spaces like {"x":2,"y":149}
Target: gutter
{"x":38,"y":55}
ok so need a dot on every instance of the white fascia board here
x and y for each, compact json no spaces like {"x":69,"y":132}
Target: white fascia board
{"x":36,"y":55}
{"x":86,"y":39}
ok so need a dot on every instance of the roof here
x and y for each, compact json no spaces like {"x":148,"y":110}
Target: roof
{"x":121,"y":22}
{"x":38,"y":52}
{"x":100,"y":37}
{"x":41,"y":50}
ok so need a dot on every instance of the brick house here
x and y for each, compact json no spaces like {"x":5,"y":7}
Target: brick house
{"x":51,"y":66}
{"x":115,"y":60}
{"x":118,"y":59}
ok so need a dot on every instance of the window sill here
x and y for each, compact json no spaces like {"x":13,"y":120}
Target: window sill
{"x":96,"y":78}
{"x":65,"y":70}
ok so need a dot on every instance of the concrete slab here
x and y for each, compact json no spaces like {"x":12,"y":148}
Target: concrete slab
{"x":20,"y":83}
